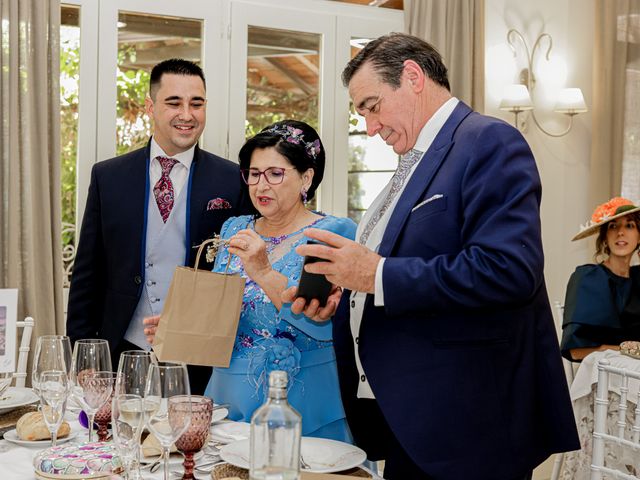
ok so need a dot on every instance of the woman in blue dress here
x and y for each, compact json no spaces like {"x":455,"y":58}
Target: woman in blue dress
{"x":602,"y":304}
{"x":282,"y":167}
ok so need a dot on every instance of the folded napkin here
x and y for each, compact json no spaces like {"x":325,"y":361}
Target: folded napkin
{"x":151,"y":447}
{"x":231,"y":430}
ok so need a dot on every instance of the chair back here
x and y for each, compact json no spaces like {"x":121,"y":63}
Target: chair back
{"x":20,"y":374}
{"x":619,"y":435}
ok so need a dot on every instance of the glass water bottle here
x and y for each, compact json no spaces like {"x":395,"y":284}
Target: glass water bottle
{"x":275,"y":435}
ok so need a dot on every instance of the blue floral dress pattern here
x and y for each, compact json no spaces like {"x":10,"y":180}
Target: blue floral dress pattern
{"x":269,"y":340}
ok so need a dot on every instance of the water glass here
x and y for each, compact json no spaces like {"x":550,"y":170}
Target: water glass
{"x":192,"y":440}
{"x":90,"y":357}
{"x":5,"y":380}
{"x":166,"y":380}
{"x":52,"y":353}
{"x":53,"y":390}
{"x":133,"y":367}
{"x":127,"y":422}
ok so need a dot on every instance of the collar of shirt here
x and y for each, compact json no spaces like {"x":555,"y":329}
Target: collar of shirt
{"x":185,"y":158}
{"x":435,"y":123}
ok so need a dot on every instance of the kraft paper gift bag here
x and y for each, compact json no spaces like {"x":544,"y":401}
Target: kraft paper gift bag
{"x":199,"y":320}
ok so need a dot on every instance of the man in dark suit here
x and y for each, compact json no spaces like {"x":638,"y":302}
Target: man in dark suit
{"x":447,"y":352}
{"x":145,"y":212}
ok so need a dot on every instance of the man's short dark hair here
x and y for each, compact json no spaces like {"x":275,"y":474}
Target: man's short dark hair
{"x":176,"y":66}
{"x":387,"y":55}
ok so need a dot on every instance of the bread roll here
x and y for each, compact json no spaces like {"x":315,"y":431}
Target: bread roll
{"x":31,"y":427}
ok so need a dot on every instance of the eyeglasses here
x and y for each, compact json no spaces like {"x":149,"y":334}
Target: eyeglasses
{"x":273,"y":175}
{"x":373,"y":107}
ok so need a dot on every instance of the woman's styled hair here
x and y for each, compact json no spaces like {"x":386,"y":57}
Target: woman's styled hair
{"x":297,"y":141}
{"x":602,"y":249}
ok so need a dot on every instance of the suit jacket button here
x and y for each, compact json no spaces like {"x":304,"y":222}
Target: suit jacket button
{"x":357,"y":340}
{"x":353,"y":304}
{"x":362,"y":378}
{"x":137,"y":279}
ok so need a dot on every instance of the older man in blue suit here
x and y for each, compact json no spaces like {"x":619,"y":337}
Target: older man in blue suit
{"x":447,"y":353}
{"x":145,"y":212}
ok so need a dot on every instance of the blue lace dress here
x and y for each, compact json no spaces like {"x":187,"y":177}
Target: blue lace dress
{"x":270,"y":340}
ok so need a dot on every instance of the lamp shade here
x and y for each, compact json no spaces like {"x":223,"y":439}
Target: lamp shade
{"x":516,"y":99}
{"x":570,"y":102}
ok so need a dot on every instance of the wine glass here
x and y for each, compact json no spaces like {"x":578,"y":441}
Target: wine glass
{"x":127,"y":422}
{"x":103,"y":415}
{"x":192,"y":440}
{"x":52,"y":353}
{"x":53,"y":390}
{"x":132,"y":378}
{"x":166,"y":380}
{"x":91,"y":391}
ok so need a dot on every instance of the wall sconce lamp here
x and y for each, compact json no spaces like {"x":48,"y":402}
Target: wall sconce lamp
{"x":518,"y":98}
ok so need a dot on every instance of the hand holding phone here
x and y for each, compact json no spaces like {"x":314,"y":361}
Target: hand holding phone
{"x":313,"y":285}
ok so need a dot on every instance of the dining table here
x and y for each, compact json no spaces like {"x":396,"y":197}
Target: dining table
{"x":577,"y":464}
{"x":16,"y":460}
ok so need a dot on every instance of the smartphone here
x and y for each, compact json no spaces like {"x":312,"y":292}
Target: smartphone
{"x":313,"y":285}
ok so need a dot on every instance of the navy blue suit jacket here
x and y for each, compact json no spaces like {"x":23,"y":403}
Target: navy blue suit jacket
{"x":463,"y":358}
{"x":108,"y":272}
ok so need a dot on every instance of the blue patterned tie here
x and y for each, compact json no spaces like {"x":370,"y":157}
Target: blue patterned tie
{"x":407,"y":161}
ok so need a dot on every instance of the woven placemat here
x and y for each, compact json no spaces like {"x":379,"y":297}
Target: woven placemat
{"x":8,"y":420}
{"x":226,"y":470}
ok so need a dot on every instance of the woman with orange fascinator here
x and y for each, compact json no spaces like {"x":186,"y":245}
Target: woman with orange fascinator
{"x":602,"y":304}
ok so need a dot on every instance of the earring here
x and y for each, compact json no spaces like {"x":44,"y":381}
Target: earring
{"x":303,"y":194}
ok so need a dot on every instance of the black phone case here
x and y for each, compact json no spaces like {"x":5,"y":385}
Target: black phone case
{"x":313,"y":285}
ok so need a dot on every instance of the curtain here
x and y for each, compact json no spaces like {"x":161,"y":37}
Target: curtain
{"x":456,"y":29}
{"x":615,"y":99}
{"x":30,"y":223}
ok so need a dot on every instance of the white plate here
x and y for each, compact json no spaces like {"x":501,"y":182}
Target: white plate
{"x":12,"y":436}
{"x":16,"y":397}
{"x":321,"y":454}
{"x":219,"y":414}
{"x":227,"y":432}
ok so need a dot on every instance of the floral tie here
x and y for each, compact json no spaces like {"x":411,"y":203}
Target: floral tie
{"x":163,"y":189}
{"x":407,"y":161}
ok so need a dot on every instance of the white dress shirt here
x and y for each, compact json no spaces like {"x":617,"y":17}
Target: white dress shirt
{"x":357,"y":300}
{"x":180,"y":171}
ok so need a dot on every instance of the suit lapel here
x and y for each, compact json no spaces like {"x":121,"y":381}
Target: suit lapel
{"x":137,"y":174}
{"x":422,"y":177}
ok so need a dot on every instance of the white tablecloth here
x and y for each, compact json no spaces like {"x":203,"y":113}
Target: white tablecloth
{"x":576,"y":464}
{"x":587,"y":374}
{"x":16,"y":460}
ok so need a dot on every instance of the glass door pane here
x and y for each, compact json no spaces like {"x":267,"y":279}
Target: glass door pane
{"x":135,"y":35}
{"x":371,"y":161}
{"x":69,"y":110}
{"x":143,"y":41}
{"x":280,"y":58}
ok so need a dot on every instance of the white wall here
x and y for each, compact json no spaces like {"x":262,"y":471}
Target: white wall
{"x":563,"y":162}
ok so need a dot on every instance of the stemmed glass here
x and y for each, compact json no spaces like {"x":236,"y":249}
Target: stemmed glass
{"x":128,"y":419}
{"x":165,"y":381}
{"x":133,"y":367}
{"x":103,"y":415}
{"x":91,"y":384}
{"x":53,"y":390}
{"x":192,"y":440}
{"x":52,"y":353}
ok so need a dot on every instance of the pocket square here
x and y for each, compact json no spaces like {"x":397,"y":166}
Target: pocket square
{"x":218,"y":204}
{"x":428,"y":200}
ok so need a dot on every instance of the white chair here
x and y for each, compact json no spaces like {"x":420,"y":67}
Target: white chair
{"x":20,"y":375}
{"x":558,"y":311}
{"x":618,"y":437}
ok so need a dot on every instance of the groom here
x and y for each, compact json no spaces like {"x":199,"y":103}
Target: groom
{"x":145,"y":212}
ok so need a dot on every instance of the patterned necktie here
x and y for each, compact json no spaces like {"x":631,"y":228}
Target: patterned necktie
{"x":407,"y":161}
{"x":163,"y":189}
